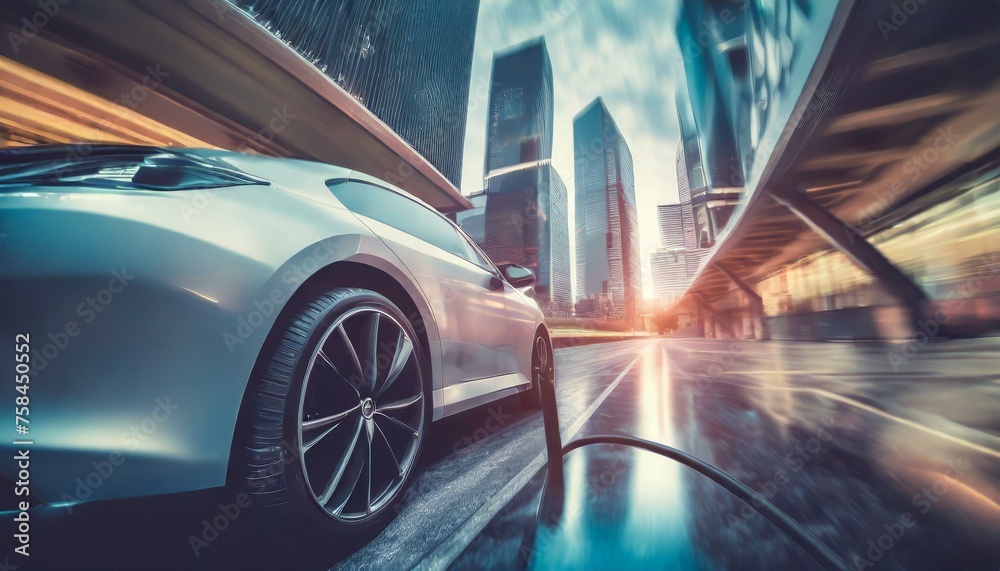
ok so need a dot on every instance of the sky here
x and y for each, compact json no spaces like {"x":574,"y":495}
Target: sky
{"x":622,"y":50}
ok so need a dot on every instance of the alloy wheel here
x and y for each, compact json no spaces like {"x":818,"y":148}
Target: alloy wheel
{"x":361,"y":414}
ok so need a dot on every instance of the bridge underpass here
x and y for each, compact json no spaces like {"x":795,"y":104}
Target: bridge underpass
{"x":890,"y":156}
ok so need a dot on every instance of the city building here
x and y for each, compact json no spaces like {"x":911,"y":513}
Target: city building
{"x":519,"y":128}
{"x":473,"y":221}
{"x":607,"y":232}
{"x":670,"y":273}
{"x":684,"y":239}
{"x":684,"y":185}
{"x":408,"y":65}
{"x":673,"y":227}
{"x":527,"y":223}
{"x":713,"y":113}
{"x":525,"y":210}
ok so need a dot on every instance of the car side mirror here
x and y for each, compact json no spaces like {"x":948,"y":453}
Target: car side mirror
{"x":517,"y":276}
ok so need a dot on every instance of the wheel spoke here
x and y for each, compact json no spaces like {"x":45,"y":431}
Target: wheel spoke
{"x":400,"y":424}
{"x":321,"y":422}
{"x":307,"y":445}
{"x":404,"y":348}
{"x":368,"y":491}
{"x":371,"y":339}
{"x":350,"y":349}
{"x":339,"y":508}
{"x":338,"y":473}
{"x":401,"y":403}
{"x":392,"y":454}
{"x":325,"y":359}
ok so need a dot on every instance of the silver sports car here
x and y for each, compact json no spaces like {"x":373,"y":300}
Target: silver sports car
{"x":286,"y":328}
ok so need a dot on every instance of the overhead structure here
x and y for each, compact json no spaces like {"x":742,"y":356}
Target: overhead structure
{"x":189,"y":73}
{"x":883,"y":123}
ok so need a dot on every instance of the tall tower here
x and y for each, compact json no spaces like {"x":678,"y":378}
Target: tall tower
{"x":526,"y":219}
{"x":519,"y":128}
{"x":684,"y":196}
{"x":607,"y":232}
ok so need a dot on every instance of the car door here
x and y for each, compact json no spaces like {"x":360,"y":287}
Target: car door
{"x":466,"y":295}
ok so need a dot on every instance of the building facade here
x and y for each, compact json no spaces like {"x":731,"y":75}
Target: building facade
{"x":526,"y":223}
{"x":673,"y":227}
{"x":607,"y":232}
{"x":684,"y":185}
{"x":519,"y":127}
{"x":473,"y":221}
{"x":525,"y":204}
{"x":409,"y":63}
{"x":670,"y":273}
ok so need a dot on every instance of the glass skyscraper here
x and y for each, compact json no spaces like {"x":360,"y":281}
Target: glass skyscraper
{"x":714,"y":114}
{"x":473,"y":221}
{"x":408,"y":62}
{"x":527,"y":224}
{"x":607,"y":232}
{"x":673,"y":230}
{"x":519,"y":128}
{"x":526,"y":219}
{"x":670,"y":275}
{"x":685,"y":184}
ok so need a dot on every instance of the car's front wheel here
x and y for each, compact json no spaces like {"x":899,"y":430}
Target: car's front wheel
{"x":338,"y":412}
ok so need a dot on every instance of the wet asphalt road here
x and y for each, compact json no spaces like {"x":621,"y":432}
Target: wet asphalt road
{"x":889,"y":454}
{"x":892,"y":444}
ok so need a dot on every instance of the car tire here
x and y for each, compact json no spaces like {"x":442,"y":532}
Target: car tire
{"x":337,"y":412}
{"x":542,"y":363}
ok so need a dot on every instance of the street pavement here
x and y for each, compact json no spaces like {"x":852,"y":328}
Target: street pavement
{"x":889,"y":453}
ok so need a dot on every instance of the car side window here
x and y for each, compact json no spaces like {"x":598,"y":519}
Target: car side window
{"x":404,"y":214}
{"x":475,"y":255}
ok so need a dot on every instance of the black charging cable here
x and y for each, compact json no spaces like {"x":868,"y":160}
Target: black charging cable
{"x":551,"y":504}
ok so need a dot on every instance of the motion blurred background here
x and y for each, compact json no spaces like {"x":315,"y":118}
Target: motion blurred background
{"x":788,"y":171}
{"x":768,"y":169}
